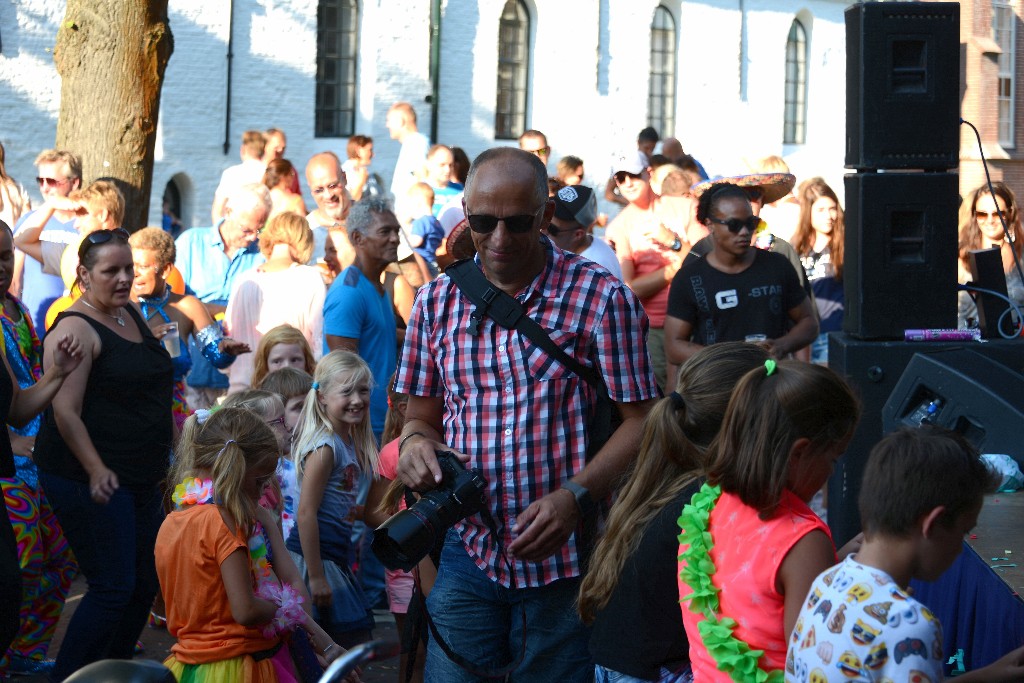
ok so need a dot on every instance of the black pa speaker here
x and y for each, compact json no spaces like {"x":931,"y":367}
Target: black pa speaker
{"x":874,"y":369}
{"x":901,"y":253}
{"x":965,"y":391}
{"x":903,"y":85}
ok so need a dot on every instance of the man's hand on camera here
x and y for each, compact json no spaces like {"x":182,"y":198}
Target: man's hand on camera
{"x":417,"y":462}
{"x":545,"y":526}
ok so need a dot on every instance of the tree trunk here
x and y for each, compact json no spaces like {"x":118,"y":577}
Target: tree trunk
{"x":111,"y":56}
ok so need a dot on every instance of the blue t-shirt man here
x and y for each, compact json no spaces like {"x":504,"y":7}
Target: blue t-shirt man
{"x":356,"y":309}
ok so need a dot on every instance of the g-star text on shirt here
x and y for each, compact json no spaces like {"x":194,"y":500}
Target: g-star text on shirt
{"x":765,"y":290}
{"x":727,"y":299}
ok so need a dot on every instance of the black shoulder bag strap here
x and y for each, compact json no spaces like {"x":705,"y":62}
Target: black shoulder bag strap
{"x":509,"y":313}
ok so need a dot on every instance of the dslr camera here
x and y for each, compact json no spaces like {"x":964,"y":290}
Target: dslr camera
{"x":406,"y":537}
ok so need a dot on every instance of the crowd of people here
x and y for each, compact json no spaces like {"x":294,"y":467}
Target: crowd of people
{"x":230,"y":411}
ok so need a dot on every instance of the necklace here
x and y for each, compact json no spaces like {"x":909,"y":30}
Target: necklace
{"x":119,"y":319}
{"x":157,"y":302}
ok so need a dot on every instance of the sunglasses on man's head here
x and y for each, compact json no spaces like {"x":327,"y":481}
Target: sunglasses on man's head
{"x":484,"y":224}
{"x":101,"y":237}
{"x":736,"y":225}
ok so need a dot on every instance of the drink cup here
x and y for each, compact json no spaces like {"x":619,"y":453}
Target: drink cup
{"x":755,"y":338}
{"x":172,"y":342}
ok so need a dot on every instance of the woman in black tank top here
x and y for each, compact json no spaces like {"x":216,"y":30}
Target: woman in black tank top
{"x":103,"y":450}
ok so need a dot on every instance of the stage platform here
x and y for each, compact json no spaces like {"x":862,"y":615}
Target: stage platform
{"x":1000,"y":534}
{"x":977,"y":601}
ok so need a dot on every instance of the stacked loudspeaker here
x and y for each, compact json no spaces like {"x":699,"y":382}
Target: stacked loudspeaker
{"x":903,"y":139}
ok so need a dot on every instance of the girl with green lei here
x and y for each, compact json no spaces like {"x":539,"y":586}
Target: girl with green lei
{"x":233,"y":594}
{"x":750,"y":546}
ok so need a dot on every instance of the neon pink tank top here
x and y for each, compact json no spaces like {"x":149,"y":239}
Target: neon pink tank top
{"x":747,"y":553}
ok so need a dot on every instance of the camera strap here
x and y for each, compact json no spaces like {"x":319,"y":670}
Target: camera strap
{"x":478,"y":671}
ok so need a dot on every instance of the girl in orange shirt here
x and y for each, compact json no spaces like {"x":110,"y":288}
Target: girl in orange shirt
{"x":233,"y":595}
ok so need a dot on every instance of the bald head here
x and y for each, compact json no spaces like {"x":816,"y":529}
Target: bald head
{"x":514,"y":162}
{"x":324,"y":159}
{"x":327,"y":184}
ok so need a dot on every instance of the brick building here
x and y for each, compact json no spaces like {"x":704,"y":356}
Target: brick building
{"x":990,"y":40}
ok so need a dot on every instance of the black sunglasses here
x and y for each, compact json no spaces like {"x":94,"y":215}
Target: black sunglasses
{"x":735,"y":225}
{"x":620,"y":176}
{"x":100,"y":237}
{"x":484,"y":224}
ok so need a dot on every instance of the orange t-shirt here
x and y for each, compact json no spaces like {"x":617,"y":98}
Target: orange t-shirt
{"x":748,"y":553}
{"x":190,"y":547}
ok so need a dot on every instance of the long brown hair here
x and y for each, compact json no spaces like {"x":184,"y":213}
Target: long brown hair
{"x":675,"y":436}
{"x":970,"y":231}
{"x":812,"y":190}
{"x":765,"y":417}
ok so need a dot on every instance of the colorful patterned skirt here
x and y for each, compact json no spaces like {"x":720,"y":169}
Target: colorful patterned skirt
{"x":47,"y":564}
{"x":277,"y":668}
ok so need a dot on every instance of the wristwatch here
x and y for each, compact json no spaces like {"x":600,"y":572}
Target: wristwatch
{"x":582,"y":495}
{"x":677,"y":245}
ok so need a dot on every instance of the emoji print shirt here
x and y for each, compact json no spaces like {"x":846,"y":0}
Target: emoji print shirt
{"x":859,"y":625}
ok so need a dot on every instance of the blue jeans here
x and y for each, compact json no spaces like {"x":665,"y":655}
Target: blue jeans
{"x":114,"y":547}
{"x":482,"y":621}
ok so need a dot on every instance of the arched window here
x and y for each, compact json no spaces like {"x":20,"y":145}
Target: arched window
{"x":513,"y":67}
{"x":661,"y":98}
{"x":336,"y":32}
{"x":794,"y":129}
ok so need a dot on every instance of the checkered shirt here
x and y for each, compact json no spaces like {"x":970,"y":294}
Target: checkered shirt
{"x":519,"y":414}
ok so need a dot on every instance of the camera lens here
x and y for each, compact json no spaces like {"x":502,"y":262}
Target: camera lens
{"x":403,"y":540}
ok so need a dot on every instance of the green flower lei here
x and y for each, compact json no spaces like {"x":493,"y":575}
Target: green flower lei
{"x":732,"y":656}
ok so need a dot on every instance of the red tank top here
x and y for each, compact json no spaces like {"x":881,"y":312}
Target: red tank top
{"x":747,"y":553}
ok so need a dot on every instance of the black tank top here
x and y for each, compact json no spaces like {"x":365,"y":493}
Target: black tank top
{"x":126,"y":410}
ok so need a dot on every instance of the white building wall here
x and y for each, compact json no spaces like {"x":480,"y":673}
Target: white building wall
{"x":588,"y":82}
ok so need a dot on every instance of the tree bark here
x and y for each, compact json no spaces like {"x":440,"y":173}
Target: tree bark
{"x":111,"y":56}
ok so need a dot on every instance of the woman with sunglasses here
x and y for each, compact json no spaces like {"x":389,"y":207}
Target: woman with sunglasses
{"x":102,"y":451}
{"x":982,"y":218}
{"x":737,"y":292}
{"x":819,"y":239}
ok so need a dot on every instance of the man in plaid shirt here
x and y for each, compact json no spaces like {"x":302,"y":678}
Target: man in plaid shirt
{"x":520,"y":417}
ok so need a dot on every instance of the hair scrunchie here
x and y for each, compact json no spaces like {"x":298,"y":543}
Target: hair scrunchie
{"x":225,"y":446}
{"x":316,"y":385}
{"x":678,"y":402}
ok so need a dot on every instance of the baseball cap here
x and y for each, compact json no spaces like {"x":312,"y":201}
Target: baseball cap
{"x":634,"y":162}
{"x":576,"y":203}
